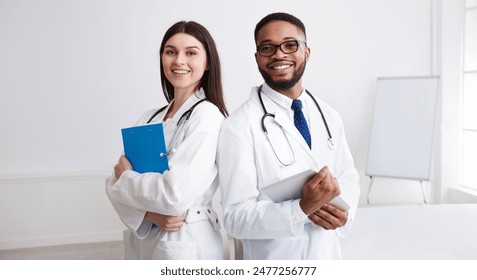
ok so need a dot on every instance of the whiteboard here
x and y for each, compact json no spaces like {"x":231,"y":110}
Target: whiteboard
{"x":402,"y":133}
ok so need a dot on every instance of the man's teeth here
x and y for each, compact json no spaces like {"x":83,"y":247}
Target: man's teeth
{"x":180,"y":71}
{"x":281,"y":67}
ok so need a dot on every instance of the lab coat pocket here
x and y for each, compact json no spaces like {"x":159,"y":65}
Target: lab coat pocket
{"x":294,"y":250}
{"x":290,"y":248}
{"x":175,"y":250}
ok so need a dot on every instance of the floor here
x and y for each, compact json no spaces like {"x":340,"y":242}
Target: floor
{"x":112,"y":250}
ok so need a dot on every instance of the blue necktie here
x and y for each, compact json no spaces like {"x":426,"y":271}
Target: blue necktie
{"x":300,"y":121}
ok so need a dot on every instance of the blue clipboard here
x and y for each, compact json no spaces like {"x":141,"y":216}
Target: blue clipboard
{"x":143,"y":146}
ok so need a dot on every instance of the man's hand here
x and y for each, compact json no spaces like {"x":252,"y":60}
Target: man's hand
{"x":321,"y":189}
{"x":329,"y":217}
{"x":164,"y":222}
{"x":122,"y":165}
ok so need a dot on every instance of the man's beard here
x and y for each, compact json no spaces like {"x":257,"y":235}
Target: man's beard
{"x":284,"y":84}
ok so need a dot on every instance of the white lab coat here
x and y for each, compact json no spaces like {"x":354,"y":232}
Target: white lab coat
{"x":247,"y":163}
{"x":188,"y":186}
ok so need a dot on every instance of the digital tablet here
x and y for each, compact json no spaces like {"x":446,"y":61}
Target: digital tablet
{"x":292,"y":188}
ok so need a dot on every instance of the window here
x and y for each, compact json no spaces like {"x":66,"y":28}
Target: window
{"x":469,"y":97}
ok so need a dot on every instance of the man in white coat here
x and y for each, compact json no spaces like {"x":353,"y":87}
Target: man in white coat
{"x":309,"y":136}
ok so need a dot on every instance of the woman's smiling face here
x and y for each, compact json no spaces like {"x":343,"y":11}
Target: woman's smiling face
{"x":184,"y":61}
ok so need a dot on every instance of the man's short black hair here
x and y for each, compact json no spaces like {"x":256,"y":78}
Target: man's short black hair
{"x":279,"y":17}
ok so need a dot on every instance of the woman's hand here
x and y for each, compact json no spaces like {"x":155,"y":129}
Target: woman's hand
{"x":164,"y":222}
{"x":122,"y":165}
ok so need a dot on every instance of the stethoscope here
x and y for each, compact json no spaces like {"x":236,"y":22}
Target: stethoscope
{"x":331,"y":143}
{"x":179,"y":128}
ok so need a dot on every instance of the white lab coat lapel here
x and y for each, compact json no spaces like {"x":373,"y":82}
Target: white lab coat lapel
{"x":292,"y":130}
{"x":187,"y":104}
{"x":319,"y":143}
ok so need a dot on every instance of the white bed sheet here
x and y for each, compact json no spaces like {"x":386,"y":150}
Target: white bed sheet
{"x":413,"y":232}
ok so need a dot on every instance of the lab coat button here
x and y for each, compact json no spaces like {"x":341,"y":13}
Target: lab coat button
{"x":198,"y":212}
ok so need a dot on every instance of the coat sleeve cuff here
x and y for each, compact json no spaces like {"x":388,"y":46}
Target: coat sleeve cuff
{"x":144,"y":229}
{"x":298,"y":218}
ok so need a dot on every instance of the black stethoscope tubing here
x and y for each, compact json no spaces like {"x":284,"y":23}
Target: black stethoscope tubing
{"x":177,"y":131}
{"x":186,"y":114}
{"x":267,"y":114}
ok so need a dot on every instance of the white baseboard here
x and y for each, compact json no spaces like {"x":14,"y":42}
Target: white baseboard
{"x":43,"y":241}
{"x":25,"y":178}
{"x":48,"y":209}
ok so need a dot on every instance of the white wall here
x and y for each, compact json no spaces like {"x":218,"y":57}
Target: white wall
{"x":72,"y":73}
{"x":56,"y":209}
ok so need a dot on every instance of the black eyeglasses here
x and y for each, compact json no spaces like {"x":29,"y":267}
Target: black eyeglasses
{"x":286,"y":47}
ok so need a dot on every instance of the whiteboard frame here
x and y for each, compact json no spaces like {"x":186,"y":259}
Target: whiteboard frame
{"x":371,"y":172}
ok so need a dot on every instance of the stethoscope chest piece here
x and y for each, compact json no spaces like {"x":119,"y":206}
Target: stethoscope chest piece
{"x":169,"y":153}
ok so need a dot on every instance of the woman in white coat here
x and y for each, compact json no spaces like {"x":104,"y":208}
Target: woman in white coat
{"x":170,"y":215}
{"x":249,"y":159}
